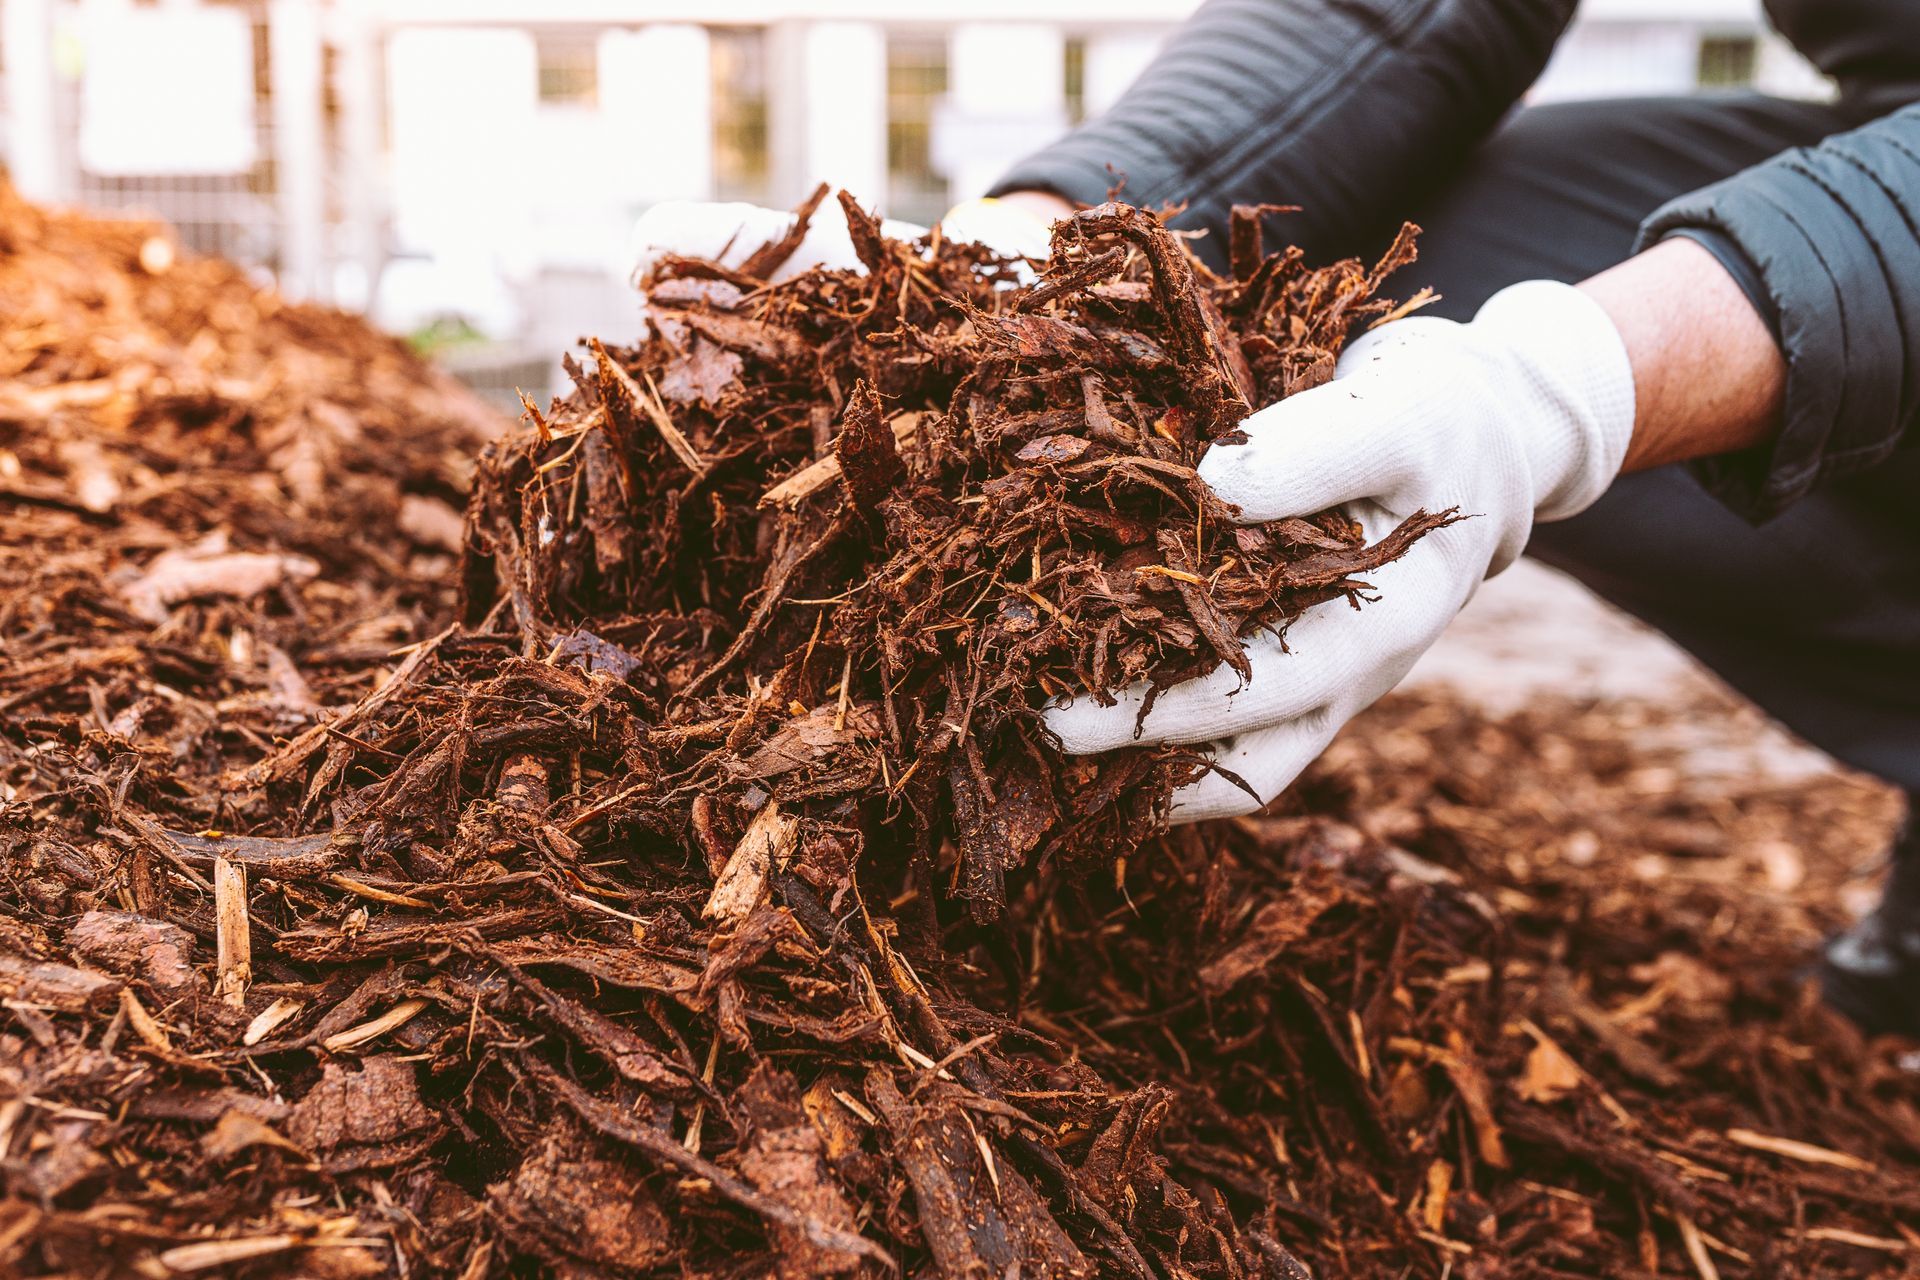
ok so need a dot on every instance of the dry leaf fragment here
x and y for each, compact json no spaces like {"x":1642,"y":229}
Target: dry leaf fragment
{"x":237,"y":1130}
{"x":1550,"y":1074}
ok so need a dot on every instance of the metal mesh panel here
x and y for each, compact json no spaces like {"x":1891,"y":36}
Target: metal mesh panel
{"x":233,"y":215}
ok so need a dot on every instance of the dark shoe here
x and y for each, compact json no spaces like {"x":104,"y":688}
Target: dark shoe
{"x":1871,"y":972}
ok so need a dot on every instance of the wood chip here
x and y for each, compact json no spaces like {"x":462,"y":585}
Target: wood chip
{"x":649,"y":404}
{"x":1470,"y":1082}
{"x":742,"y":883}
{"x":143,"y":1023}
{"x":856,"y":1106}
{"x":818,"y":475}
{"x":1792,"y":1149}
{"x":1439,"y":1186}
{"x":379,"y":895}
{"x":271,"y":1019}
{"x":233,"y":933}
{"x":1696,"y":1247}
{"x":353,"y":1037}
{"x":220,"y":1253}
{"x":1840,"y":1235}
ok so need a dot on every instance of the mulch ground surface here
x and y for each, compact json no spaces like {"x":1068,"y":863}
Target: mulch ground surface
{"x":626,"y":843}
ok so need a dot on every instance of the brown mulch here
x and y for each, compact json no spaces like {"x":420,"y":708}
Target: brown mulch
{"x":666,"y":873}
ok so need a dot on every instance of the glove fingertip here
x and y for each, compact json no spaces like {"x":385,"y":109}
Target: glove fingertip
{"x":1267,"y":477}
{"x":1086,"y":728}
{"x":1341,"y":441}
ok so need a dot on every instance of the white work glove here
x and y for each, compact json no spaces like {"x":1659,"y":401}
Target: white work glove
{"x":1522,"y":415}
{"x":728,"y":233}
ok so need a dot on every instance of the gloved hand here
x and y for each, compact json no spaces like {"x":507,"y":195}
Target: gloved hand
{"x":728,"y":232}
{"x":1522,"y":415}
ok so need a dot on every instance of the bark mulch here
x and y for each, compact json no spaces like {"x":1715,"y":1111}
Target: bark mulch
{"x":662,"y":869}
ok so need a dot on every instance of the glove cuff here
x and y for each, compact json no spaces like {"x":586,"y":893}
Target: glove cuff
{"x":1575,"y":368}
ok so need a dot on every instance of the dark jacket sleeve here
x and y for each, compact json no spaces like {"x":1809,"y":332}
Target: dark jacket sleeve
{"x":1871,"y":48}
{"x":1344,"y":107}
{"x":1832,"y":234}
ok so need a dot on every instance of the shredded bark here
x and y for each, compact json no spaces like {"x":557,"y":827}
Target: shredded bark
{"x":683,"y":881}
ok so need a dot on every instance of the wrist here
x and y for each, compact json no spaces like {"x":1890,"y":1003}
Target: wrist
{"x":1045,"y":206}
{"x":1709,"y":374}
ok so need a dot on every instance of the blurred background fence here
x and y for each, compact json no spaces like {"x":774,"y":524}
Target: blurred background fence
{"x":468,"y":172}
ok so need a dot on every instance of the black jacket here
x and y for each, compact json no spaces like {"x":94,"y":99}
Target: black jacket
{"x":1364,"y":103}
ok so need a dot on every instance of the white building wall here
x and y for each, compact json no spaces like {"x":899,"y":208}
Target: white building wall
{"x":1006,"y":96}
{"x":27,"y":97}
{"x":1608,"y":58}
{"x":460,"y":127}
{"x":1730,"y":13}
{"x":1114,"y":61}
{"x":827,"y":107}
{"x":1621,"y":48}
{"x":1620,"y":59}
{"x":486,"y":185}
{"x":655,"y":112}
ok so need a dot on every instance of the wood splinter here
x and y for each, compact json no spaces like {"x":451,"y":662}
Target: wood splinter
{"x":816,"y":476}
{"x":234,"y":973}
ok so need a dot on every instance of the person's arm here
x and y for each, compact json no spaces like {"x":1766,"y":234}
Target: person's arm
{"x":1770,"y":333}
{"x":1344,"y":107}
{"x":1829,"y":237}
{"x":1526,"y":414}
{"x":1708,"y":377}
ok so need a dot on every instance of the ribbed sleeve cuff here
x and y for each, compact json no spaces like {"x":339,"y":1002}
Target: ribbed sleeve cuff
{"x":1569,"y":357}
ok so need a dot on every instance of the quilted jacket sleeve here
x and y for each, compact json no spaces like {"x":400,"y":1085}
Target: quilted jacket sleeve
{"x":1832,"y":233}
{"x":1341,"y":106}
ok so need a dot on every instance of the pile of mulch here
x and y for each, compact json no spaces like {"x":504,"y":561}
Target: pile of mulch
{"x":702,"y":896}
{"x":1518,"y":995}
{"x":219,"y":510}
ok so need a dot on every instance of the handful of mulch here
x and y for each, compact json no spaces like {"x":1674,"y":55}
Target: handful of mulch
{"x":861,"y":526}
